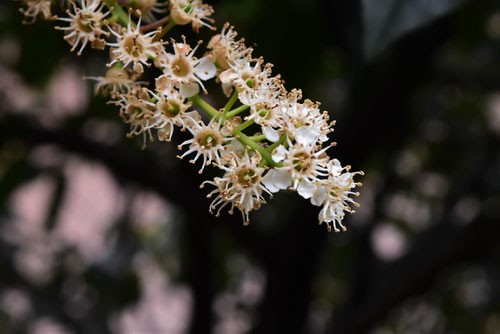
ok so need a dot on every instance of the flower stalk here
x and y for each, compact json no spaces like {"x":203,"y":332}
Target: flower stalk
{"x":280,"y":145}
{"x":232,"y":100}
{"x":118,"y":11}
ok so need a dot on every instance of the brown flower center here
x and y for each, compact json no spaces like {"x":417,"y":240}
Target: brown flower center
{"x":181,"y":67}
{"x":133,"y":46}
{"x":170,"y":109}
{"x":207,"y":138}
{"x":84,"y":23}
{"x":302,"y":161}
{"x":247,"y":176}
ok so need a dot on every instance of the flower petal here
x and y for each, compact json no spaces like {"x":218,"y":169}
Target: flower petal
{"x":305,"y":136}
{"x":205,"y":69}
{"x":228,"y":76}
{"x":271,"y":134}
{"x":334,"y":167}
{"x":227,"y":88}
{"x":276,"y":179}
{"x":188,"y":90}
{"x":306,"y":189}
{"x":279,"y":153}
{"x":319,"y":196}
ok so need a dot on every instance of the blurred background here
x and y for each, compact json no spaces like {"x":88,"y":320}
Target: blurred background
{"x":98,"y":236}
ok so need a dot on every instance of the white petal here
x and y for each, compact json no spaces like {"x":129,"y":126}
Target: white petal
{"x":247,"y":202}
{"x":188,"y":90}
{"x":267,"y":181}
{"x":227,"y":88}
{"x":323,"y":138}
{"x":282,"y":179}
{"x":279,"y":153}
{"x":305,"y":136}
{"x":334,"y":167}
{"x":345,"y":179}
{"x":276,"y":179}
{"x":319,"y":196}
{"x":205,"y":69}
{"x":245,"y":97}
{"x":235,"y":147}
{"x":271,"y":134}
{"x":228,"y":76}
{"x":164,"y":84}
{"x":138,"y":68}
{"x":306,"y":189}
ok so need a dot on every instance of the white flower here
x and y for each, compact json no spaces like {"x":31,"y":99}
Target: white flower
{"x":85,"y":24}
{"x":136,"y":110}
{"x":134,"y":47}
{"x":304,"y":121}
{"x":170,"y":110}
{"x":148,"y":7}
{"x":303,"y":165}
{"x":194,"y":11}
{"x":116,"y":80}
{"x":241,"y":187}
{"x":264,"y":100}
{"x":333,"y":193}
{"x":207,"y":141}
{"x":185,"y":70}
{"x":247,"y":77}
{"x":226,"y":50}
{"x":36,"y":8}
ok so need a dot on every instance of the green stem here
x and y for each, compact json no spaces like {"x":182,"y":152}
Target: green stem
{"x":246,"y":141}
{"x":118,"y":12}
{"x":263,"y":163}
{"x":231,"y":101}
{"x":112,"y":19}
{"x":199,"y":102}
{"x":236,"y":111}
{"x":258,"y":138}
{"x":171,"y":23}
{"x":276,"y":144}
{"x":243,"y":126}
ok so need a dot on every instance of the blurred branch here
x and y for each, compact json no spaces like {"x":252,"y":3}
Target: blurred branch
{"x":291,"y":266}
{"x":46,"y":300}
{"x":144,"y":167}
{"x":177,"y":185}
{"x":380,"y":288}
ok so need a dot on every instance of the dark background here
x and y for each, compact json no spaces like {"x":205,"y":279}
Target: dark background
{"x":98,"y":236}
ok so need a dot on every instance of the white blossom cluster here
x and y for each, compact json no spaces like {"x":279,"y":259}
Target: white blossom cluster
{"x":273,"y":140}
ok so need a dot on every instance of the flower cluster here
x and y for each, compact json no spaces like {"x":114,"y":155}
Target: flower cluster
{"x":265,"y":139}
